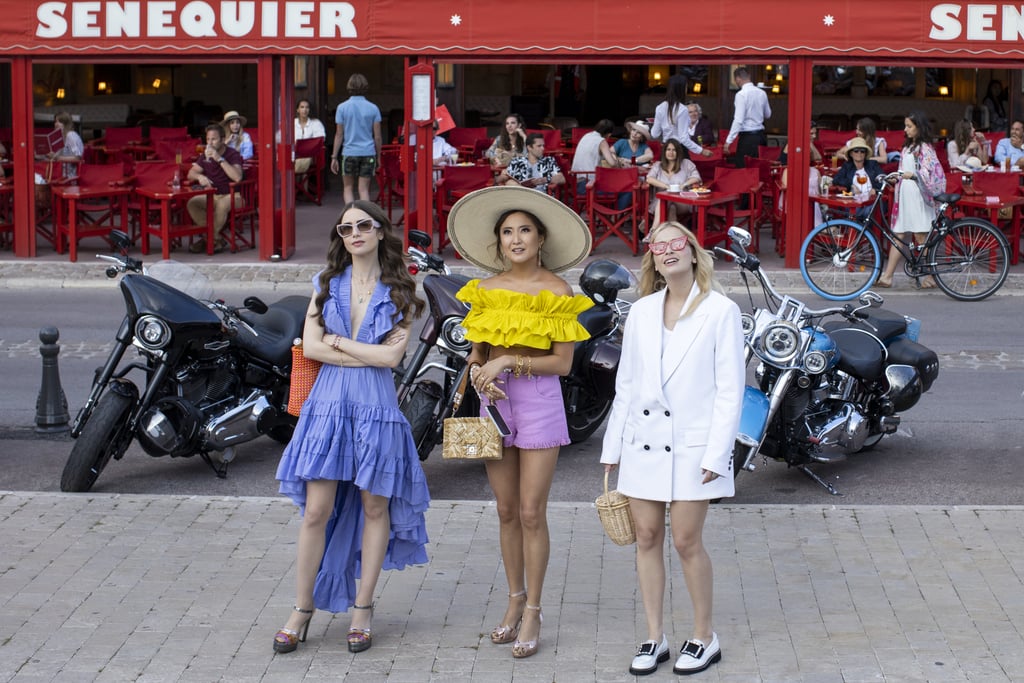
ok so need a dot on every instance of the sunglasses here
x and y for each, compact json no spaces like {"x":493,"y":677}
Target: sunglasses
{"x":659,"y":248}
{"x":365,"y":225}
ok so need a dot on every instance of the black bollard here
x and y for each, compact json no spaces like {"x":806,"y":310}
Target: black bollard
{"x":51,"y":406}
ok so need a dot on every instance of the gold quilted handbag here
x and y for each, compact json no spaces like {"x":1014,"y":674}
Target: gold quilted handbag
{"x":469,"y":438}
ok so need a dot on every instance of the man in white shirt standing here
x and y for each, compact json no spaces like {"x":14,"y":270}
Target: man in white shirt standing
{"x":751,"y":110}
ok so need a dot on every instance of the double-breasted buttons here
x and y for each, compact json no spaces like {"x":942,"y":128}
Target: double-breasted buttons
{"x":668,"y":414}
{"x":668,"y":448}
{"x":647,"y":447}
{"x":646,"y":412}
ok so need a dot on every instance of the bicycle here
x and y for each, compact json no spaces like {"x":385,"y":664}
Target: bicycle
{"x":968,"y":257}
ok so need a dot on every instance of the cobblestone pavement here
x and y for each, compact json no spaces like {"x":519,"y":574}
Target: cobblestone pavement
{"x":188,"y":588}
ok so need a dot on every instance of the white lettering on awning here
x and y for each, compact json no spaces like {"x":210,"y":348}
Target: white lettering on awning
{"x":977,"y":22}
{"x":196,"y":19}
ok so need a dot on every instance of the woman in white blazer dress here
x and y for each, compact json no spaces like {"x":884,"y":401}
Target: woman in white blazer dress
{"x":678,"y":397}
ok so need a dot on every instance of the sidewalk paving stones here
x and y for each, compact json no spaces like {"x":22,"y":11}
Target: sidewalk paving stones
{"x":109,"y":587}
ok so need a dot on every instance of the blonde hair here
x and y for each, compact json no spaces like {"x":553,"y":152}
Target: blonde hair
{"x":652,"y":281}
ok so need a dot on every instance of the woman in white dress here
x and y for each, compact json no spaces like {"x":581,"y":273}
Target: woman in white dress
{"x":682,"y":341}
{"x":921,"y":178}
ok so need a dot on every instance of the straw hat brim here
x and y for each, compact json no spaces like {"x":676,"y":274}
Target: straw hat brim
{"x":233,"y":115}
{"x":859,"y":143}
{"x":971,"y":165}
{"x":643,"y":130}
{"x":471,"y":227}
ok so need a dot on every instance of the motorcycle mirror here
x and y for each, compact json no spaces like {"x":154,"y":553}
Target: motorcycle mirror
{"x":740,"y":236}
{"x":255,"y":304}
{"x":120,"y":240}
{"x":419,"y":238}
{"x":871,"y":299}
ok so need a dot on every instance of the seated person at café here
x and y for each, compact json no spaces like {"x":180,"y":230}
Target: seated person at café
{"x":592,"y":149}
{"x":1012,"y":148}
{"x":443,"y":153}
{"x":815,"y":154}
{"x":674,"y":168}
{"x":966,"y":143}
{"x":533,"y":170}
{"x":218,"y":167}
{"x":700,"y":129}
{"x":634,"y":149}
{"x":237,"y":139}
{"x":866,"y":131}
{"x":859,"y":174}
{"x":813,"y":190}
{"x":511,"y":142}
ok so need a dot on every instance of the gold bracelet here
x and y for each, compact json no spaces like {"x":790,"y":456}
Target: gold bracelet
{"x":518,"y":372}
{"x":529,"y":367}
{"x":336,"y":343}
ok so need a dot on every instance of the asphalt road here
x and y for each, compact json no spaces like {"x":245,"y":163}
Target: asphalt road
{"x":962,"y":443}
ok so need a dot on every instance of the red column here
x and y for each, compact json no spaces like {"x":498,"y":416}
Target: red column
{"x":23,"y":156}
{"x":799,"y":137}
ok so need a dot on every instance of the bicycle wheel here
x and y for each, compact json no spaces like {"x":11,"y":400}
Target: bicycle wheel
{"x":971,"y":261}
{"x":840,"y":260}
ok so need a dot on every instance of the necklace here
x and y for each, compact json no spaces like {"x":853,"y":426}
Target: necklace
{"x":367,"y":285}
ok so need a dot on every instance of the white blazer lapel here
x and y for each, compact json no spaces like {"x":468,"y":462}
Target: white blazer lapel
{"x":649,"y":347}
{"x":686,"y":332}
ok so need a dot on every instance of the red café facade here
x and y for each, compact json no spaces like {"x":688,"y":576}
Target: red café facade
{"x":270,"y":33}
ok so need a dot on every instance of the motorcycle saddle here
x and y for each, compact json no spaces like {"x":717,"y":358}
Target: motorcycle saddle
{"x":597,"y":319}
{"x":277,"y":329}
{"x":907,"y":352}
{"x":886,"y":324}
{"x":861,"y":354}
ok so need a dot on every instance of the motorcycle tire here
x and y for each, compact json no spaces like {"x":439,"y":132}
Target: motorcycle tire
{"x":588,"y":416}
{"x":100,"y":440}
{"x":420,"y":409}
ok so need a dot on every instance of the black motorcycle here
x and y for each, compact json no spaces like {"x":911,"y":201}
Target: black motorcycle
{"x":425,"y":397}
{"x":210,"y":376}
{"x":827,"y":383}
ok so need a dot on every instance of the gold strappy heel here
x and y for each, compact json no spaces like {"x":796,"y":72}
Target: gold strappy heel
{"x":287,"y":640}
{"x":524,"y":649}
{"x":359,"y":639}
{"x":504,"y":633}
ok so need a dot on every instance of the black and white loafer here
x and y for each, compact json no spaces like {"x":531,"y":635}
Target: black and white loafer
{"x":695,"y":656}
{"x":648,"y":656}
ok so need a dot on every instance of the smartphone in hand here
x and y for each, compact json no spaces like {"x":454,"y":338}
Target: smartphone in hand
{"x":498,"y":420}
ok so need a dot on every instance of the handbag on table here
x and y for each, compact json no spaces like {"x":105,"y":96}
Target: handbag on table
{"x":469,"y":438}
{"x":304,"y":372}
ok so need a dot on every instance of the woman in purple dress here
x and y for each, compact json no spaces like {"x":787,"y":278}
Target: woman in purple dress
{"x":352,"y":465}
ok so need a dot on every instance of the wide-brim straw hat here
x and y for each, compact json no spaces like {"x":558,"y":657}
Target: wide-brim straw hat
{"x":858,"y":143}
{"x":970,"y":165}
{"x":641,"y":127}
{"x":230,"y":116}
{"x":471,"y":227}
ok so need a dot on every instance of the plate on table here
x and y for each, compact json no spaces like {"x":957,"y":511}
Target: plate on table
{"x":701,"y":190}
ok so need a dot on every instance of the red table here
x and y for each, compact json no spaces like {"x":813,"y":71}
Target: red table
{"x":68,"y":221}
{"x":701,"y":203}
{"x":850,"y":203}
{"x":172,"y":204}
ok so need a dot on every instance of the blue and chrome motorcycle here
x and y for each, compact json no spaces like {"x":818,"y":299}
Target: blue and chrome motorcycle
{"x":829,"y":382}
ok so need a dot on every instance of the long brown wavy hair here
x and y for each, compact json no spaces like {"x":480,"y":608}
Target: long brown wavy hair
{"x":393,"y":272}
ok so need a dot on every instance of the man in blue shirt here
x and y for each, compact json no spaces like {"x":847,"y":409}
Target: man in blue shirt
{"x":1012,"y":148}
{"x":357,"y":137}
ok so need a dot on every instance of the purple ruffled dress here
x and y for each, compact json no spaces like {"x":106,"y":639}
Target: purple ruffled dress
{"x":352,"y":431}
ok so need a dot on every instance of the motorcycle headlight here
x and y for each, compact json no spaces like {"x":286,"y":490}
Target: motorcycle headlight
{"x":453,"y":334}
{"x":152,"y":332}
{"x":815,"y":362}
{"x":781,"y":341}
{"x":747,"y":324}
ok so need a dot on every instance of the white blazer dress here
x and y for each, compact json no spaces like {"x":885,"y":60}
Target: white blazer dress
{"x":677,"y":405}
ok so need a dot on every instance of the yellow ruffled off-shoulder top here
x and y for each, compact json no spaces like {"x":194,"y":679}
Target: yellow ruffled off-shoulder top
{"x":501,"y":317}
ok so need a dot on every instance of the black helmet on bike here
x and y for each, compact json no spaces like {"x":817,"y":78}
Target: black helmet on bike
{"x":602,"y":280}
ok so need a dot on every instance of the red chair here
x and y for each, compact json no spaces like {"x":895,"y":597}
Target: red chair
{"x":455,"y":183}
{"x":465,"y":139}
{"x":310,"y":183}
{"x":156,"y":175}
{"x":706,"y":167}
{"x":604,"y":218}
{"x":576,"y":133}
{"x":479,"y":148}
{"x":569,"y":192}
{"x":243,"y":215}
{"x":655,"y":146}
{"x":1005,"y":186}
{"x":158,"y":133}
{"x":831,"y":141}
{"x":390,"y":178}
{"x":768,"y":152}
{"x":92,"y":208}
{"x":742,"y":181}
{"x":894,"y":140}
{"x":766,"y":171}
{"x":171,"y":149}
{"x":115,"y":138}
{"x":6,"y":213}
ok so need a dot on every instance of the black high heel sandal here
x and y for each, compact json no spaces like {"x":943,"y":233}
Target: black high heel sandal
{"x":287,"y":640}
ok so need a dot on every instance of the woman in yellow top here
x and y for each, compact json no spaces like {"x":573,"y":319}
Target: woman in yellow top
{"x":523,"y":325}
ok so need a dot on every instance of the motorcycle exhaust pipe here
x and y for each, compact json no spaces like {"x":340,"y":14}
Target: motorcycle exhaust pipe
{"x":239,"y":424}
